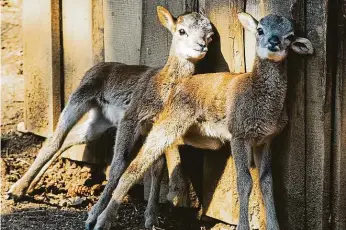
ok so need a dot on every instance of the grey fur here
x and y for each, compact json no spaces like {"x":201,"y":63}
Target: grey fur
{"x":127,"y":97}
{"x":245,"y":109}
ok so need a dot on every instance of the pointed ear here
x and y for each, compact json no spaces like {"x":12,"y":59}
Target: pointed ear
{"x":165,"y":18}
{"x":302,"y":46}
{"x":248,"y":22}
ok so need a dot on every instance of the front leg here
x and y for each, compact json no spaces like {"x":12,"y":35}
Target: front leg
{"x":241,"y":150}
{"x":152,"y":210}
{"x":125,"y":140}
{"x":164,"y":134}
{"x":178,"y":190}
{"x":266,"y":184}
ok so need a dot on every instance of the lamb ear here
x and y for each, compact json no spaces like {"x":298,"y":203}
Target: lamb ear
{"x":302,"y":46}
{"x":166,"y":18}
{"x":248,"y":22}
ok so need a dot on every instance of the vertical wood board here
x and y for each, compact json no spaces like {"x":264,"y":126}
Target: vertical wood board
{"x":339,"y":156}
{"x":123,"y":30}
{"x":42,"y":66}
{"x":318,"y":119}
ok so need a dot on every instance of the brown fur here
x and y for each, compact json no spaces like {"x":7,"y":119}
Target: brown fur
{"x":245,"y":109}
{"x":126,"y":97}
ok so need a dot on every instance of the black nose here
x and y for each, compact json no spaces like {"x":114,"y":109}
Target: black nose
{"x":274,"y":40}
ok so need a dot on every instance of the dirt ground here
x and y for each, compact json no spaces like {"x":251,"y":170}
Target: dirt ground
{"x":12,"y":80}
{"x":68,"y":189}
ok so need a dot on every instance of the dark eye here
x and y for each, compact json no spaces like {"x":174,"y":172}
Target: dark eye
{"x":260,"y":31}
{"x":182,"y":32}
{"x":290,"y":37}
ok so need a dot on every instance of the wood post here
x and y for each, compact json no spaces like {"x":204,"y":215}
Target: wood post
{"x":289,"y":159}
{"x":318,"y":118}
{"x":42,"y":65}
{"x":220,"y":198}
{"x":338,"y":200}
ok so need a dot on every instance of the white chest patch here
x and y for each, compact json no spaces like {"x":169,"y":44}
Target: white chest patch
{"x":114,"y":113}
{"x":216,"y":130}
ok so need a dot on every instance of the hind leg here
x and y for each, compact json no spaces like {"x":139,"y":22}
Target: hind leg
{"x":152,"y":210}
{"x":74,"y":110}
{"x":88,"y":131}
{"x":125,"y":138}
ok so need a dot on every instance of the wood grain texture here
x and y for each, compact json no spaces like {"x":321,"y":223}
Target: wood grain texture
{"x":220,"y":198}
{"x":77,"y":39}
{"x":339,"y":156}
{"x":123,"y":30}
{"x":156,"y":39}
{"x":289,"y":147}
{"x":97,"y":31}
{"x":83,"y":47}
{"x":223,"y":15}
{"x":42,"y":65}
{"x":318,"y":119}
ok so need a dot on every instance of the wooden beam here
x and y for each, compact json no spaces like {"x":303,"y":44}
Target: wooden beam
{"x":123,"y":30}
{"x":42,"y":65}
{"x":338,"y":201}
{"x":220,"y":198}
{"x":318,"y":119}
{"x":98,"y":48}
{"x":83,"y":47}
{"x":289,"y":147}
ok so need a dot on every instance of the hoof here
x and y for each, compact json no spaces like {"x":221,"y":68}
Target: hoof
{"x":104,"y":222}
{"x":16,"y":192}
{"x":14,"y":196}
{"x":151,"y":222}
{"x":242,"y":227}
{"x":178,"y":199}
{"x":102,"y":227}
{"x":89,"y":225}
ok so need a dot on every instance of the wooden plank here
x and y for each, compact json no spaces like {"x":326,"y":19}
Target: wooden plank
{"x":289,"y":147}
{"x":42,"y":65}
{"x":220,"y":198}
{"x":97,"y":32}
{"x":122,"y":31}
{"x":77,"y":39}
{"x":83,"y":47}
{"x":223,"y":15}
{"x":156,"y":39}
{"x":339,"y":157}
{"x":318,"y":119}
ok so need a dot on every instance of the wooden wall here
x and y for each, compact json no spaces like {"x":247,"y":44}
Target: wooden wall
{"x":42,"y":64}
{"x":63,"y":38}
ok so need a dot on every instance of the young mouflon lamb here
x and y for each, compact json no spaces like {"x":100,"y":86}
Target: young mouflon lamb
{"x":126,"y":97}
{"x":245,"y":109}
